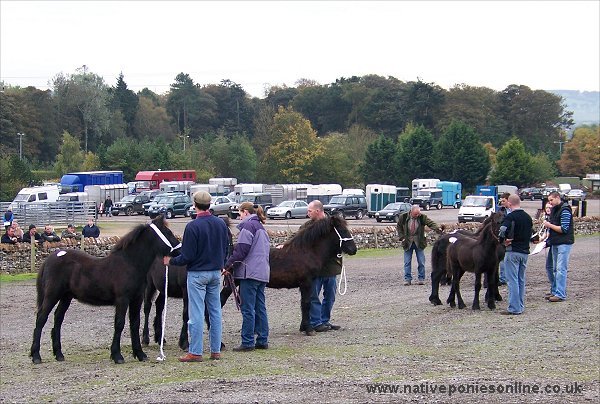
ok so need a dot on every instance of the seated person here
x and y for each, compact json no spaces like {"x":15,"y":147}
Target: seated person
{"x":32,"y":234}
{"x":70,"y":232}
{"x":90,"y":229}
{"x":18,"y":230}
{"x":49,"y":235}
{"x":9,"y":236}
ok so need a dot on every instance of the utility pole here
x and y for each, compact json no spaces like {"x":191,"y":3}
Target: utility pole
{"x":560,"y":143}
{"x":20,"y":145}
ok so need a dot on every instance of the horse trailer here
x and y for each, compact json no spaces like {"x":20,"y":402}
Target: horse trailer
{"x":378,"y":196}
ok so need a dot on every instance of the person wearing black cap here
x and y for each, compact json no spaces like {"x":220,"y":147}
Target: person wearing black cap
{"x":32,"y":234}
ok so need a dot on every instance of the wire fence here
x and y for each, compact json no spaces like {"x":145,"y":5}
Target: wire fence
{"x":55,"y":213}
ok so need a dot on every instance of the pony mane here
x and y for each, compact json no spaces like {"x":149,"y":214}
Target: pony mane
{"x":130,"y":238}
{"x":315,"y":232}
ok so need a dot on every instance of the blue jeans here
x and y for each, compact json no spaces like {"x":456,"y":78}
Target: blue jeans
{"x":204,"y":289}
{"x":514,"y":269}
{"x":560,"y":258}
{"x":254,"y":312}
{"x":408,"y":262}
{"x":320,"y":312}
{"x":502,"y":277}
{"x":550,"y":269}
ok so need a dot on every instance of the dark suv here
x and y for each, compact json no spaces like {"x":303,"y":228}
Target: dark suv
{"x":347,"y":206}
{"x":263,"y":199}
{"x":170,"y":205}
{"x":130,"y":204}
{"x":531,"y":194}
{"x":426,"y":198}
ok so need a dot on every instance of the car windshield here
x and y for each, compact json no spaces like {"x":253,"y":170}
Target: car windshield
{"x":423,"y":193}
{"x":160,"y":199}
{"x":249,"y":198}
{"x":289,"y":204}
{"x":167,"y":200}
{"x":471,"y":201}
{"x":392,"y":206}
{"x":339,"y":200}
{"x":128,"y":198}
{"x":21,"y":198}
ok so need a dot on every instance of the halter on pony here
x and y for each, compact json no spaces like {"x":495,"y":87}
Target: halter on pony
{"x":162,"y":356}
{"x":339,"y":255}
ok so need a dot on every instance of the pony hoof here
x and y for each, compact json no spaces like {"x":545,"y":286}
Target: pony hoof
{"x":435,"y":301}
{"x":60,"y":358}
{"x":498,"y":298}
{"x":118,"y":359}
{"x":143,"y":358}
{"x":310,"y":333}
{"x":36,"y":361}
{"x":475,"y":308}
{"x":461,"y":306}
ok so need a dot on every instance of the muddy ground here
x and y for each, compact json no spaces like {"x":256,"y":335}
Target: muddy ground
{"x":391,"y":335}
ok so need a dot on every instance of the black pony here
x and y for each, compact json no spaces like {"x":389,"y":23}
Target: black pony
{"x":478,"y":255}
{"x":116,"y":280}
{"x":439,"y":272}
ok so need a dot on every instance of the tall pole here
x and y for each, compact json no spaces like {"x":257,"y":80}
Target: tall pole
{"x":20,"y":145}
{"x":560,"y":143}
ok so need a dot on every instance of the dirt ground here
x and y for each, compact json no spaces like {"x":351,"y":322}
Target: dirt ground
{"x":391,"y":336}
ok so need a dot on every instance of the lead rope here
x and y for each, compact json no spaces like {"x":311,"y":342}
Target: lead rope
{"x":162,"y":355}
{"x":343,"y":274}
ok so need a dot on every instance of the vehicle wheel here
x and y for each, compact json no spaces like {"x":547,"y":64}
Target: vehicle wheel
{"x":341,"y":214}
{"x":359,"y":214}
{"x":115,"y":213}
{"x":129,"y":211}
{"x":456,"y":205}
{"x":426,"y":206}
{"x":288,"y":215}
{"x":169,"y":214}
{"x":438,"y":206}
{"x":232,"y":216}
{"x":378,"y":220}
{"x":186,"y":213}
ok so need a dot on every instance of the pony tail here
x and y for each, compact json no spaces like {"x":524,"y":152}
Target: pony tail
{"x":261,"y":214}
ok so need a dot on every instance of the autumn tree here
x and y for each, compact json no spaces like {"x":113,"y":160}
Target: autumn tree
{"x":294,"y":146}
{"x":581,"y":154}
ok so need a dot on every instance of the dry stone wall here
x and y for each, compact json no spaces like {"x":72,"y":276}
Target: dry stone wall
{"x":17,"y":258}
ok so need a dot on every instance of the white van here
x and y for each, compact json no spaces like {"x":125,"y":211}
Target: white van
{"x":43,"y":194}
{"x":476,"y":208}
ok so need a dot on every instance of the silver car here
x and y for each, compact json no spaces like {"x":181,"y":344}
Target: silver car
{"x":288,"y":210}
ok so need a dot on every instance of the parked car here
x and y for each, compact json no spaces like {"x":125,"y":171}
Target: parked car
{"x":392,"y":211}
{"x":546,"y":191}
{"x":531,"y":194}
{"x":171,"y":205}
{"x":219,"y":205}
{"x":288,"y":210}
{"x":156,"y":197}
{"x":130,"y":204}
{"x":262,"y":199}
{"x":576,"y":194}
{"x":347,"y":206}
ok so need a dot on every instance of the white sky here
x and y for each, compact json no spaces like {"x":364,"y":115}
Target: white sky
{"x":542,"y":44}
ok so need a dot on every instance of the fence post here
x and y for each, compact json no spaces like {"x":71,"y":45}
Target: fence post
{"x":32,"y":259}
{"x":375,"y":234}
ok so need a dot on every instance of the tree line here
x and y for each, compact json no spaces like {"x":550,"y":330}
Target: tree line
{"x":354,"y":131}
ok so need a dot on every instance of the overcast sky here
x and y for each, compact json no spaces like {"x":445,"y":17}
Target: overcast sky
{"x":546,"y":45}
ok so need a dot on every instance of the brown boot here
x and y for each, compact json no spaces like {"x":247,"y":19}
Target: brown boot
{"x":189,"y":357}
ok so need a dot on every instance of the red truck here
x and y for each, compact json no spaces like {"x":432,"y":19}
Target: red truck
{"x":148,"y":180}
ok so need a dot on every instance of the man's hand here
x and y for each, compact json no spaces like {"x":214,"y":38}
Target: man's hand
{"x":507,"y":242}
{"x":166,"y":260}
{"x":224,"y":272}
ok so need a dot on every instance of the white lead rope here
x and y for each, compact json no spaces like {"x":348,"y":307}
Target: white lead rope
{"x":343,"y":274}
{"x":162,"y":355}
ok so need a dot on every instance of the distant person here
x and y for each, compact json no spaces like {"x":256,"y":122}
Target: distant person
{"x":70,"y":232}
{"x":31,"y":234}
{"x":50,"y":235}
{"x":549,"y":261}
{"x":90,"y":229}
{"x":18,"y":230}
{"x":560,"y":239}
{"x":411,"y":230}
{"x":9,"y":236}
{"x":108,"y":205}
{"x":8,"y":217}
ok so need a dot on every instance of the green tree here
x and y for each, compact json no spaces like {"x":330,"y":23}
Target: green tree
{"x":125,"y":101}
{"x":542,"y":168}
{"x":293,"y":148}
{"x":460,"y":156}
{"x":14,"y":175}
{"x":152,"y":121}
{"x":336,"y":162}
{"x":513,"y":165}
{"x":414,"y":157}
{"x":91,"y":162}
{"x":379,"y":165}
{"x":70,"y":156}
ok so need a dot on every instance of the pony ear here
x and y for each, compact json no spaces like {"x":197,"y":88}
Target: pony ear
{"x":160,"y":221}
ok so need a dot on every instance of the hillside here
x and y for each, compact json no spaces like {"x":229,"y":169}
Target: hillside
{"x":584,"y":104}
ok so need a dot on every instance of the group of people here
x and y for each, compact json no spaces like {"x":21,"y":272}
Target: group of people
{"x":14,"y":234}
{"x":516,"y":234}
{"x":204,"y":252}
{"x":105,"y":207}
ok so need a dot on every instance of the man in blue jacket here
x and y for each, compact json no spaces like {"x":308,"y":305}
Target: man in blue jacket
{"x":203,"y":252}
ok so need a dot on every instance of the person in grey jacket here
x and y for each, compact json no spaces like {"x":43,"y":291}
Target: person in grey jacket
{"x":250,"y":264}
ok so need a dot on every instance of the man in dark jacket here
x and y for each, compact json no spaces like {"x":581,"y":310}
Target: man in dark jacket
{"x":108,"y":205}
{"x":320,"y":311}
{"x":411,"y":230}
{"x":90,"y":229}
{"x":560,"y":239}
{"x":9,"y":236}
{"x":515,"y":232}
{"x":31,"y":234}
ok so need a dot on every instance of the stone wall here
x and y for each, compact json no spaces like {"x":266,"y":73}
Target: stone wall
{"x":17,"y":258}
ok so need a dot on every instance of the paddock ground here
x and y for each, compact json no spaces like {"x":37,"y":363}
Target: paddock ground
{"x":391,"y":336}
